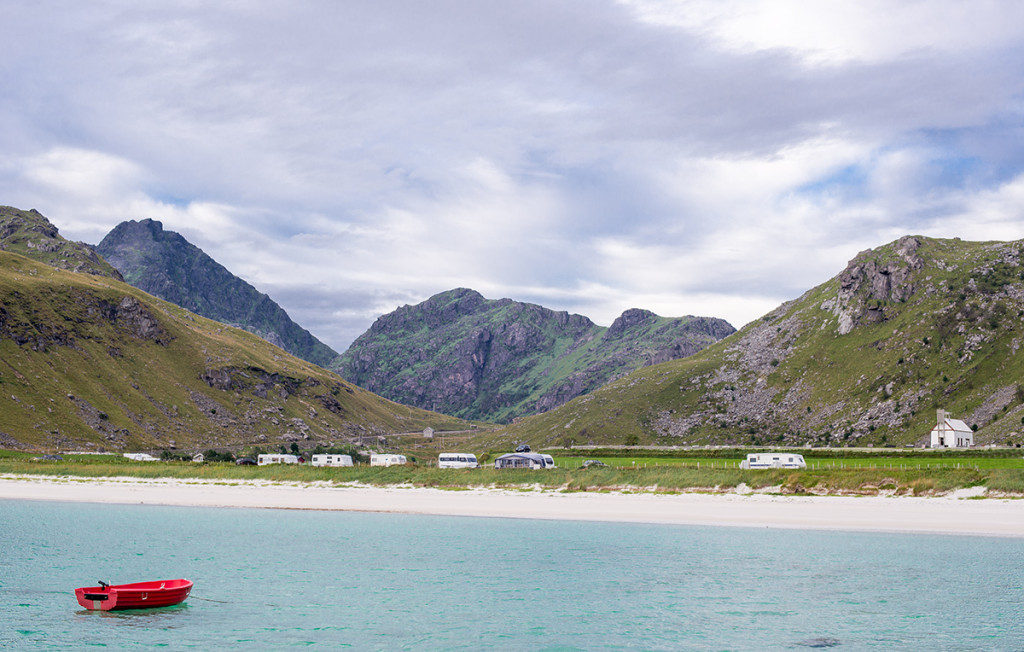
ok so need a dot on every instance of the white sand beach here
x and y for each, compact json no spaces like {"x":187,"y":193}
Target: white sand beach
{"x":959,"y":513}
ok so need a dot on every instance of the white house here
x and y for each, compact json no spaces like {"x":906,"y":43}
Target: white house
{"x":428,"y":432}
{"x":951,"y":433}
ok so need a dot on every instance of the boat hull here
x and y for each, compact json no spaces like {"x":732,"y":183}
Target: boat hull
{"x":140,"y":595}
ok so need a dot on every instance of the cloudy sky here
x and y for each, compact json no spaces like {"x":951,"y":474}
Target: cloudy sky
{"x":707,"y":157}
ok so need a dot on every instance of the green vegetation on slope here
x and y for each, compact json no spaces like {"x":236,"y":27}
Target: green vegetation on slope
{"x":865,"y":358}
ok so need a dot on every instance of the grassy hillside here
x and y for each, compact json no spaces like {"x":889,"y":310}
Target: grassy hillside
{"x":865,"y":358}
{"x":91,"y":362}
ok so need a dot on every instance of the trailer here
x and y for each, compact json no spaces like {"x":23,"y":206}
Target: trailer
{"x":387,"y":459}
{"x":331,"y":459}
{"x":773,"y":461}
{"x":277,"y":458}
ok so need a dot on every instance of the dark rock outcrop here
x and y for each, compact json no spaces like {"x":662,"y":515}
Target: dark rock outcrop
{"x":868,"y":283}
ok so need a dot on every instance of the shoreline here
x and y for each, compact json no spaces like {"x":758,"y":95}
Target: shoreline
{"x":962,"y":513}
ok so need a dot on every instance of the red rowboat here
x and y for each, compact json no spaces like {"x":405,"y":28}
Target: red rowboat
{"x":141,"y":595}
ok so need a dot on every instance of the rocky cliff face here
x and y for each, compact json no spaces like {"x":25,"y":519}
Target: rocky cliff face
{"x":166,"y":265}
{"x":30,"y":234}
{"x":461,"y":354}
{"x":868,"y":283}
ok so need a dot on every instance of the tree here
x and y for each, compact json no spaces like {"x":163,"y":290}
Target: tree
{"x":216,"y":456}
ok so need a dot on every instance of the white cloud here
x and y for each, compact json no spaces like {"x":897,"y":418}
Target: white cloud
{"x":833,"y":32}
{"x":85,"y":175}
{"x":993,"y":214}
{"x":684,"y":157}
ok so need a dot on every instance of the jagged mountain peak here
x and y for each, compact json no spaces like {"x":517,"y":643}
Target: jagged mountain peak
{"x":628,"y":320}
{"x":145,"y":227}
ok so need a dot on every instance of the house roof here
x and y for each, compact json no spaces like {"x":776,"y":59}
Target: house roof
{"x":956,"y":425}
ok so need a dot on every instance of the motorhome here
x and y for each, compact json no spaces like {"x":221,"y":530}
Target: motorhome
{"x":387,"y":459}
{"x":457,"y":461}
{"x":330,"y":459}
{"x":773,"y":461}
{"x":277,"y":458}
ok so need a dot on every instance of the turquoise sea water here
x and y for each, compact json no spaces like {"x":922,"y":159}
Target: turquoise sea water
{"x":271,"y":580}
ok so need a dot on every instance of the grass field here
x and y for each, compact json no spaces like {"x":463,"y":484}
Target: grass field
{"x":877,"y":462}
{"x":871,"y":475}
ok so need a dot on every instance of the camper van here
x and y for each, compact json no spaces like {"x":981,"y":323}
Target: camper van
{"x":387,"y":459}
{"x":329,"y":459}
{"x":773,"y":461}
{"x":275,"y":458}
{"x":457,"y":461}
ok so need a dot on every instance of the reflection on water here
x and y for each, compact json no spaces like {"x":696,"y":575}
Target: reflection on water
{"x":167,"y":617}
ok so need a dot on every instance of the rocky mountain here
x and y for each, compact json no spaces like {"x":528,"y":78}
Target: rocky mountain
{"x":168,"y":266}
{"x":89,"y":362}
{"x":866,"y":358}
{"x":461,"y":354}
{"x":30,"y":234}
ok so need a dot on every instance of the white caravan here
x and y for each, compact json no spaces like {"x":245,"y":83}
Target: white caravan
{"x":773,"y":461}
{"x":330,"y":459}
{"x":276,"y":458}
{"x":387,"y":459}
{"x":457,"y":461}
